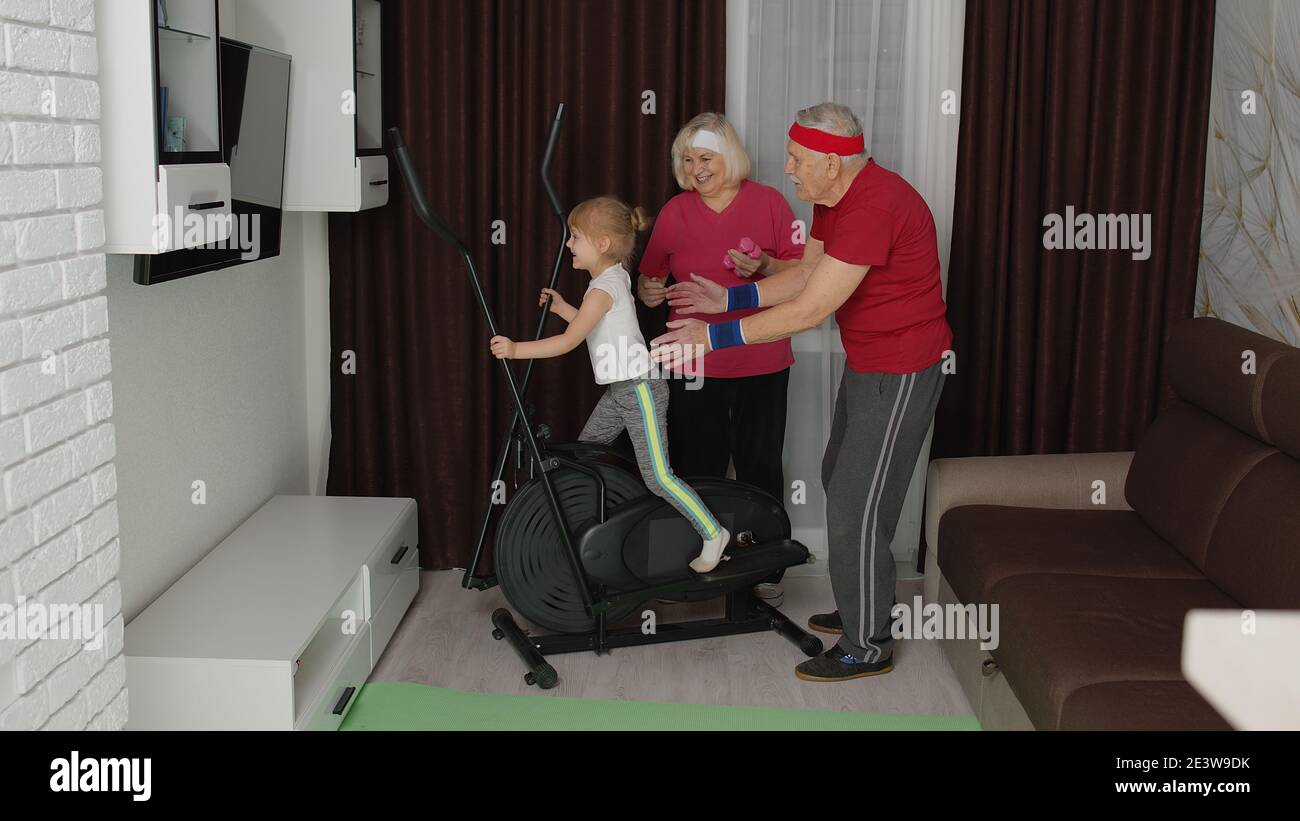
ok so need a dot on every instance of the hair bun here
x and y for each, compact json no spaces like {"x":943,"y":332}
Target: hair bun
{"x":641,"y":219}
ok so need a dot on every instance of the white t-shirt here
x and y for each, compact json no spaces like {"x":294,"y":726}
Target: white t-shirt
{"x":618,"y":351}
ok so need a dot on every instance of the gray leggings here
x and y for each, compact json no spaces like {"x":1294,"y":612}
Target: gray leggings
{"x":640,"y":406}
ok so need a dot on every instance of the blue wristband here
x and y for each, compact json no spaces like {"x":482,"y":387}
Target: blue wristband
{"x":725,"y":335}
{"x":742,"y":296}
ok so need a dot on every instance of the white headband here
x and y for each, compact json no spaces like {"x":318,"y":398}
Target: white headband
{"x":707,"y":140}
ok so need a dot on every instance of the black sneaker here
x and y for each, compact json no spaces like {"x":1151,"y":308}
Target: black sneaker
{"x":836,"y":665}
{"x":827,"y":623}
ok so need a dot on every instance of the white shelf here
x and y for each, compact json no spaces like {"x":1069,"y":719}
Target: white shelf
{"x":269,"y":628}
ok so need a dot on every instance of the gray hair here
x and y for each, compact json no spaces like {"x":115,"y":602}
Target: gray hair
{"x":836,"y":119}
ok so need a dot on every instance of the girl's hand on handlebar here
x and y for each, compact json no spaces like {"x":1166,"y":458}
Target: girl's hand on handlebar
{"x":502,"y":347}
{"x":558,"y":305}
{"x":651,"y":290}
{"x":699,"y":296}
{"x":747,"y":266}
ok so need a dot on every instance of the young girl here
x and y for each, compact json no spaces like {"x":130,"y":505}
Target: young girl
{"x":603,"y":237}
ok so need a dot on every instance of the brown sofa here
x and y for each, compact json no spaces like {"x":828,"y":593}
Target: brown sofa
{"x":1092,"y":593}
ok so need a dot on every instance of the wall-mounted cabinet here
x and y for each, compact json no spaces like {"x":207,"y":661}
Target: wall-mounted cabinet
{"x":335,"y":160}
{"x":254,"y":112}
{"x":165,"y":184}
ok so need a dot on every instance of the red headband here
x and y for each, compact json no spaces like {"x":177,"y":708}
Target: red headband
{"x":816,"y":140}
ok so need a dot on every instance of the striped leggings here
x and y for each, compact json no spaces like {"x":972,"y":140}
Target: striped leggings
{"x":881,"y":421}
{"x":641,"y":406}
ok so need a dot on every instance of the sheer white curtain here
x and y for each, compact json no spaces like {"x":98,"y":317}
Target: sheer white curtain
{"x":895,"y":63}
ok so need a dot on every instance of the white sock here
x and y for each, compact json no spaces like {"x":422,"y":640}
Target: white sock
{"x":711,"y":553}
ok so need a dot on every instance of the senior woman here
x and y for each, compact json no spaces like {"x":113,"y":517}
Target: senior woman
{"x":736,"y":412}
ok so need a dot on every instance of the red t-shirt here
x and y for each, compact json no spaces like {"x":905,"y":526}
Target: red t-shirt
{"x":690,"y":237}
{"x":894,"y":322}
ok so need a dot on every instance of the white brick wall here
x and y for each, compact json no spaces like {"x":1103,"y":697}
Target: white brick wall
{"x":58,"y":517}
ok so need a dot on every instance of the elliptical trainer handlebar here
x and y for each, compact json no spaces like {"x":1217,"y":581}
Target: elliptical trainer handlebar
{"x":517,"y":387}
{"x":426,"y":214}
{"x":546,"y":171}
{"x":418,"y":200}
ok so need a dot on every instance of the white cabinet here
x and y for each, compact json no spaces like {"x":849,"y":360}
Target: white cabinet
{"x":335,"y":159}
{"x":165,"y":184}
{"x":393,"y":581}
{"x":280,"y":625}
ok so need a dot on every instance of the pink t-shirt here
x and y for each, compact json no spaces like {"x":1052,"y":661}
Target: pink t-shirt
{"x":690,"y":237}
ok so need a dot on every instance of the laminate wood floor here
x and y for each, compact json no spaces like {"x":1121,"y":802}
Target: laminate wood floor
{"x":445,"y":641}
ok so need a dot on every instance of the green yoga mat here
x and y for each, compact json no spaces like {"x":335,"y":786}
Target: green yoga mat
{"x":395,"y":705}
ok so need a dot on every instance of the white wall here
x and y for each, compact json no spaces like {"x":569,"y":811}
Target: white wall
{"x":312,"y":262}
{"x":316,"y":305}
{"x":211,"y":388}
{"x":58,"y":534}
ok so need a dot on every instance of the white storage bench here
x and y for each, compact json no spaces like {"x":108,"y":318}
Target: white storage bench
{"x":280,"y":625}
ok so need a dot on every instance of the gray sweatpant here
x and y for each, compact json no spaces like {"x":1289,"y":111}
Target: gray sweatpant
{"x":641,"y":406}
{"x":881,"y":420}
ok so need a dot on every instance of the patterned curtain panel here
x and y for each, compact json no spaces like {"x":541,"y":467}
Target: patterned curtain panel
{"x":1249,"y":270}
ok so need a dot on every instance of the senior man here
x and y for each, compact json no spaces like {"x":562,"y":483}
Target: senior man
{"x":872,"y":260}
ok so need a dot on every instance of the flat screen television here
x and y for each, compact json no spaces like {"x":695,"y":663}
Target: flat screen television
{"x":254,"y":115}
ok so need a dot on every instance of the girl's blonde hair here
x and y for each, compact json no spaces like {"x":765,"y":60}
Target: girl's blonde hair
{"x":613,"y":218}
{"x":734,"y":158}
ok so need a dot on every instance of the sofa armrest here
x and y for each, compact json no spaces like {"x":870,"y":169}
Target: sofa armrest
{"x":1055,"y":480}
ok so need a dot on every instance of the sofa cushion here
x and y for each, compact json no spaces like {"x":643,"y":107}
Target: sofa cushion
{"x":1254,"y":555}
{"x":1059,"y":633}
{"x":1279,"y":400}
{"x":1183,"y":472}
{"x":980,"y":545}
{"x":1139,"y":705}
{"x":1205,"y":361}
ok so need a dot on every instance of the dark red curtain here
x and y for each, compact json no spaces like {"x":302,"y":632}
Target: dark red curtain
{"x":1101,"y":105}
{"x":473,"y":86}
